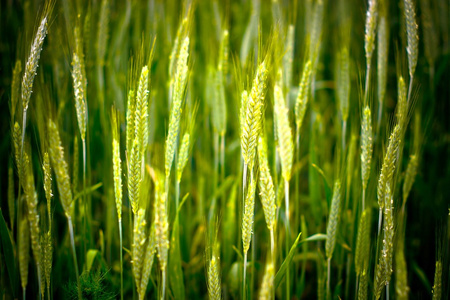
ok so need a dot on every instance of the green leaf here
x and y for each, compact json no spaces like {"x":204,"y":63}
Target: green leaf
{"x":175,"y":271}
{"x":315,"y":237}
{"x":8,"y":253}
{"x":90,"y":257}
{"x":282,"y":271}
{"x":89,"y":189}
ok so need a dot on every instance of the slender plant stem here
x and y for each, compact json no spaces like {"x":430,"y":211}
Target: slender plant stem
{"x":84,"y":197}
{"x":121,"y":260}
{"x":328,"y":277}
{"x":380,"y":219}
{"x":24,"y":293}
{"x":387,"y":291}
{"x":286,"y":198}
{"x":344,"y":130}
{"x":272,"y":245}
{"x":366,"y":89}
{"x":74,"y":253}
{"x":244,"y":180}
{"x":411,"y":80}
{"x":356,"y":286}
{"x":177,"y":194}
{"x":244,"y":294}
{"x":363,"y":199}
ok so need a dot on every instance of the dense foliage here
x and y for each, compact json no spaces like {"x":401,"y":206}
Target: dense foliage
{"x":225,"y":149}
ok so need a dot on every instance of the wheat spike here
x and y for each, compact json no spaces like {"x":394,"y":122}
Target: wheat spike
{"x":61,"y":169}
{"x":177,"y":100}
{"x":24,"y":248}
{"x":266,"y":187}
{"x":134,"y":177}
{"x":267,"y":285}
{"x":362,"y":251}
{"x":249,"y":213}
{"x":79,"y":88}
{"x":32,"y":214}
{"x":48,"y":260}
{"x":76,"y":164}
{"x":148,"y":262}
{"x":378,"y":281}
{"x":32,"y":63}
{"x":388,"y":239}
{"x":176,"y":48}
{"x":366,"y":146}
{"x":285,"y":143}
{"x":161,"y":222}
{"x":410,"y":175}
{"x":183,"y":155}
{"x":371,"y":26}
{"x":214,"y":288}
{"x":102,"y":33}
{"x":117,"y":169}
{"x":48,"y":186}
{"x":288,"y":57}
{"x":362,"y":289}
{"x":253,"y":115}
{"x":382,"y":57}
{"x":139,"y":240}
{"x":15,"y":87}
{"x":412,"y":36}
{"x":242,"y":112}
{"x":17,"y":141}
{"x":388,"y":167}
{"x":431,"y":39}
{"x":437,"y":287}
{"x":402,"y":105}
{"x":219,"y":112}
{"x":131,"y":112}
{"x":303,"y":94}
{"x":141,"y":112}
{"x":333,"y":220}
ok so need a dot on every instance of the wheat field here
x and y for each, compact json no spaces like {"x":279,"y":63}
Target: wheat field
{"x":237,"y":149}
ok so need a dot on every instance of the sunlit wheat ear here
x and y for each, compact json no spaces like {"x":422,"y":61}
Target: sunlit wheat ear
{"x":249,"y":209}
{"x":285,"y":143}
{"x":15,"y":88}
{"x":388,"y":235}
{"x":176,"y":48}
{"x":410,"y":175}
{"x":214,"y":282}
{"x":253,"y":115}
{"x":134,"y":177}
{"x":303,"y":94}
{"x":242,"y":112}
{"x":48,"y":186}
{"x":402,"y":104}
{"x":267,"y":285}
{"x":183,"y":155}
{"x":141,"y":112}
{"x":131,"y":112}
{"x":266,"y":186}
{"x":437,"y":287}
{"x":139,"y":241}
{"x":371,"y":25}
{"x":333,"y":220}
{"x":366,"y":146}
{"x":79,"y":88}
{"x":117,"y":166}
{"x":32,"y":62}
{"x":389,"y":162}
{"x":24,"y":248}
{"x":362,"y":251}
{"x":148,"y":262}
{"x":412,"y":36}
{"x":59,"y":164}
{"x":161,"y":222}
{"x":288,"y":57}
{"x":48,"y":258}
{"x":175,"y":112}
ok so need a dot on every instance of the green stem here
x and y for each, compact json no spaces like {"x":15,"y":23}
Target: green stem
{"x":328,"y":277}
{"x":74,"y":253}
{"x":286,"y":198}
{"x":163,"y":292}
{"x":121,"y":259}
{"x":84,"y":198}
{"x":245,"y":273}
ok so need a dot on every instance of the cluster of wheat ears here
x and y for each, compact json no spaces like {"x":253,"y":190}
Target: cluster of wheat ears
{"x":196,"y":120}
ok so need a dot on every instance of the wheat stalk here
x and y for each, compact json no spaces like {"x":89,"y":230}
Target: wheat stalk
{"x":437,"y":287}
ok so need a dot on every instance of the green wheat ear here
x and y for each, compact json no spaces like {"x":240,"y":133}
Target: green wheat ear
{"x":333,"y":220}
{"x":266,"y":186}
